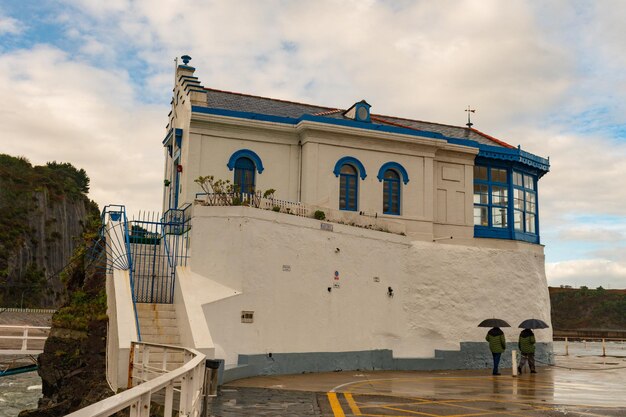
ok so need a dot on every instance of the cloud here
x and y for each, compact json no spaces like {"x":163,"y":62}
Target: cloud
{"x":69,"y":111}
{"x":553,"y":85}
{"x":590,"y":272}
{"x":9,"y":25}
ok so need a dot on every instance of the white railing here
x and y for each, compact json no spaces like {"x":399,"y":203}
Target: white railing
{"x":255,"y":200}
{"x":179,"y":389}
{"x":14,"y":340}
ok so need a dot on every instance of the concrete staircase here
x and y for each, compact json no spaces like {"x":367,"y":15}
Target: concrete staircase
{"x":157,"y":324}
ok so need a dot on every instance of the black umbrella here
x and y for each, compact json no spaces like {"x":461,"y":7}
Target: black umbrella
{"x":533,"y":324}
{"x":494,"y":323}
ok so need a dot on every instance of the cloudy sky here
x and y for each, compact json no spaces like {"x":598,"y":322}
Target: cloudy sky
{"x":89,"y":82}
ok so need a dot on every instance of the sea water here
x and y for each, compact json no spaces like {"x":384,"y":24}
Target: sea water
{"x":19,"y":392}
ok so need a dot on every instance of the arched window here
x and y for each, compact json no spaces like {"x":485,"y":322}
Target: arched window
{"x":391,"y":192}
{"x":348,"y":188}
{"x":244,"y":175}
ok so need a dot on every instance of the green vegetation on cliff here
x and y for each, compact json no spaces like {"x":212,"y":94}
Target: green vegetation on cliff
{"x":585,"y":308}
{"x":35,"y":243}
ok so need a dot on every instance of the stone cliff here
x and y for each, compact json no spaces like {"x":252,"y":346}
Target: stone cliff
{"x":43,"y":210}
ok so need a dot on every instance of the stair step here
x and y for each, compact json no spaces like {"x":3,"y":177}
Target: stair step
{"x":154,"y":306}
{"x":161,"y":339}
{"x":156,"y":315}
{"x":158,"y":322}
{"x":158,"y":330}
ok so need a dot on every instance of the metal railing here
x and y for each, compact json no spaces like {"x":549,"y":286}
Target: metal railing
{"x":180,"y":389}
{"x":14,"y":340}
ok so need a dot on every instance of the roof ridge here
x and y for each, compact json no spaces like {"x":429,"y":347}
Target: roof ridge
{"x":324,"y":113}
{"x":379,"y":117}
{"x":269,"y":98}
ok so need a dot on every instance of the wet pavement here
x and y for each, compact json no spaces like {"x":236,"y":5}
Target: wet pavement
{"x":578,"y":386}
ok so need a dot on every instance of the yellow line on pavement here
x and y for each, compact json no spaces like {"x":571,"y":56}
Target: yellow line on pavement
{"x":334,"y":404}
{"x":352,"y":404}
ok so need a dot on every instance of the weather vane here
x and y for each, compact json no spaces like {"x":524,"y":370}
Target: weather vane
{"x":469,"y":122}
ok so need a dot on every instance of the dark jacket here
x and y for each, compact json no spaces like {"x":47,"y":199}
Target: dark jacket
{"x":497,"y":342}
{"x":526,"y":341}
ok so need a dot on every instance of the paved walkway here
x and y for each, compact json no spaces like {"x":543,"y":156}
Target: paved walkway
{"x":580,"y":386}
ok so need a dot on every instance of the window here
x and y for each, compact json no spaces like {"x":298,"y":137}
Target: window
{"x":348,"y":188}
{"x":491,"y":197}
{"x":244,"y":175}
{"x":391,"y":192}
{"x":505,"y":203}
{"x":524,"y":203}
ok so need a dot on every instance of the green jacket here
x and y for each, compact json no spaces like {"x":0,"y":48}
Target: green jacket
{"x":526,"y":342}
{"x":497,"y":342}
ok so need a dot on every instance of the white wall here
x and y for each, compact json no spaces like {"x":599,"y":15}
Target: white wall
{"x":441,"y":291}
{"x":122,"y":328}
{"x":439,"y":191}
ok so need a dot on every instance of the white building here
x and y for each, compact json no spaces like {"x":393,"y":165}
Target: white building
{"x":429,"y":229}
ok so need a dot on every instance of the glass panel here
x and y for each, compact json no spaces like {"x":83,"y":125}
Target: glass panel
{"x":529,"y":182}
{"x":480,"y":216}
{"x":347,"y":169}
{"x":395,"y":197}
{"x":531,"y":207}
{"x":351,"y":193}
{"x":530,"y":223}
{"x":244,"y":179}
{"x":518,"y":199}
{"x":498,"y":175}
{"x":386,"y":197}
{"x":391,"y":174}
{"x":481,"y":194}
{"x":518,"y":217}
{"x":342,"y":192}
{"x":518,"y":179}
{"x":498,"y":195}
{"x":480,"y":173}
{"x":498,"y":218}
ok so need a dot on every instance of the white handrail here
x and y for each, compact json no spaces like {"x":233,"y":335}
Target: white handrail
{"x":137,"y":399}
{"x":25,"y":337}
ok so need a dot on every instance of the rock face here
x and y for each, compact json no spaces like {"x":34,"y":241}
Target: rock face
{"x":43,"y":212}
{"x":55,"y":226}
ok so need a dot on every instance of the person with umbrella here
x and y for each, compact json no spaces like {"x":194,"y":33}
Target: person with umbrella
{"x":496,"y":339}
{"x":526,"y":343}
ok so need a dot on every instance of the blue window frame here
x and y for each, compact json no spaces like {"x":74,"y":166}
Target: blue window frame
{"x":491,"y":197}
{"x":505,"y":203}
{"x":244,"y":175}
{"x":348,"y":188}
{"x":524,"y":203}
{"x":391,"y":192}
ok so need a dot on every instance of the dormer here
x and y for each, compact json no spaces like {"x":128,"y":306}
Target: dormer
{"x":359,"y":111}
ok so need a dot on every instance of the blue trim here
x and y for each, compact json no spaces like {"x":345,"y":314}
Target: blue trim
{"x":245,"y":153}
{"x":487,"y":151}
{"x":318,"y":119}
{"x":346,"y":190}
{"x":179,"y":137}
{"x":388,"y":185}
{"x":396,"y":167}
{"x":350,"y":160}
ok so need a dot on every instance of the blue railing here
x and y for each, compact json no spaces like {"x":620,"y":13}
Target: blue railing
{"x":149,"y":246}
